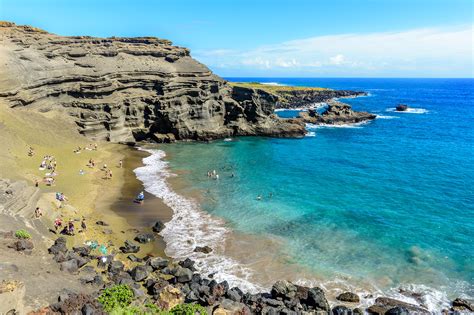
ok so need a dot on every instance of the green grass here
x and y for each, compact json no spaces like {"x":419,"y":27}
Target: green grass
{"x":275,"y":88}
{"x":22,"y":234}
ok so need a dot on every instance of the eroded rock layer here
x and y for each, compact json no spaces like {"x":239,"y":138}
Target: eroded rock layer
{"x":127,"y":89}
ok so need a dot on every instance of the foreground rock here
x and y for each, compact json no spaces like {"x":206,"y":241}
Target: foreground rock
{"x":390,"y":306}
{"x":128,"y":89}
{"x":348,"y":297}
{"x":337,"y":113}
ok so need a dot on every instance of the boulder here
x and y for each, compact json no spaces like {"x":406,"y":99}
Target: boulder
{"x":187,"y":263}
{"x":401,"y":107}
{"x":348,"y":297}
{"x":460,"y":304}
{"x":129,"y":247}
{"x":144,"y":238}
{"x":59,"y":246}
{"x":235,"y":294}
{"x":115,"y":267}
{"x":317,"y":300}
{"x":183,"y":275}
{"x":383,"y":304}
{"x":157,"y":263}
{"x":139,"y":273}
{"x":203,"y":249}
{"x":158,"y":226}
{"x":283,"y":289}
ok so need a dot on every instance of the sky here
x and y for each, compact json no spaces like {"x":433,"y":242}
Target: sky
{"x":292,"y":38}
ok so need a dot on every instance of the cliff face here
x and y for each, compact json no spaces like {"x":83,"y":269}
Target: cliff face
{"x":127,"y":89}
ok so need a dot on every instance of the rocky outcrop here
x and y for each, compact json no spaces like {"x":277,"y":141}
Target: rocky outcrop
{"x":401,"y":108}
{"x":308,"y":98}
{"x":336,"y":113}
{"x":128,"y":89}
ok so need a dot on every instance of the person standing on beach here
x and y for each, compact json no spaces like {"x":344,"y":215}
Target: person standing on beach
{"x":120,"y":163}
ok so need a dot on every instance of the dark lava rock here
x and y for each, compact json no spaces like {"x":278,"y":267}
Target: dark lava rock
{"x":115,"y":267}
{"x":144,"y":238}
{"x":187,"y":263}
{"x":82,"y":250}
{"x":22,"y":245}
{"x":183,"y":275}
{"x":139,"y":273}
{"x":383,"y":304}
{"x":157,"y":263}
{"x":158,"y":226}
{"x":341,"y":310}
{"x":102,"y":223}
{"x":59,"y":246}
{"x":357,"y":311}
{"x":129,"y":247}
{"x":235,"y":294}
{"x":397,"y":310}
{"x":348,"y":297}
{"x":134,"y":258}
{"x":401,"y":108}
{"x":203,"y":249}
{"x":283,"y":289}
{"x":317,"y":300}
{"x":463,"y":305}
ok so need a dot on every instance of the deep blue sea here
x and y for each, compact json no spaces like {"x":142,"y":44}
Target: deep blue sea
{"x":389,"y":203}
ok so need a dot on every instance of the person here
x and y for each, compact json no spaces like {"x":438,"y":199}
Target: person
{"x":259,"y":197}
{"x":70,"y":228}
{"x":81,"y":172}
{"x":140,"y":197}
{"x":110,"y":174}
{"x":83,"y":224}
{"x":232,"y":175}
{"x":120,"y":163}
{"x":36,"y":182}
{"x":58,"y":223}
{"x":217,"y":176}
{"x":38,"y":212}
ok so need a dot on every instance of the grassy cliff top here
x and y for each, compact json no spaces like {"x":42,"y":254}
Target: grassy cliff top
{"x":275,"y":88}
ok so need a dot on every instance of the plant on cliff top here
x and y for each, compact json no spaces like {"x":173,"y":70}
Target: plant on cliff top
{"x":22,"y":234}
{"x":188,"y":309}
{"x":118,"y":296}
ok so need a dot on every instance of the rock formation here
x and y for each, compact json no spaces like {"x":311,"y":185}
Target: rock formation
{"x":401,"y":108}
{"x":337,"y":113}
{"x":128,"y":89}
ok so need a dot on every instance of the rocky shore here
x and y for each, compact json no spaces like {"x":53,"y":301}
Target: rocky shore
{"x":167,"y":284}
{"x":336,"y":113}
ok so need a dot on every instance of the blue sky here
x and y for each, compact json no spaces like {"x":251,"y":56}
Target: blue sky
{"x":338,"y":38}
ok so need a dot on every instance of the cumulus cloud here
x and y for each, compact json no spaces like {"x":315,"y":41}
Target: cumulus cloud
{"x":418,"y":52}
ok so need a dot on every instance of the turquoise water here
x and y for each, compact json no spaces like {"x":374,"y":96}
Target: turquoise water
{"x":389,"y":202}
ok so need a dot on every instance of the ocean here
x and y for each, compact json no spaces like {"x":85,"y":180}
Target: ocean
{"x":381,"y":208}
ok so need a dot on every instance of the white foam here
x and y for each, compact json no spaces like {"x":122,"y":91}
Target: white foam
{"x":318,"y":126}
{"x":408,"y":111}
{"x":191,"y":227}
{"x":272,"y":83}
{"x":386,"y":117}
{"x":310,"y":134}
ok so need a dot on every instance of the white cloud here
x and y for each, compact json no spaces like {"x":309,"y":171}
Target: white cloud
{"x":418,"y":52}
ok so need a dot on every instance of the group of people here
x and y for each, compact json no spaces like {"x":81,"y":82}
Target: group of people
{"x":108,"y":172}
{"x":69,"y":228}
{"x":48,"y":163}
{"x":90,"y":147}
{"x":212,"y":174}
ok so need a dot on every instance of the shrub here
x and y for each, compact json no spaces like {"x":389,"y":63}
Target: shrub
{"x":118,"y":296}
{"x":188,"y":309}
{"x":22,"y":234}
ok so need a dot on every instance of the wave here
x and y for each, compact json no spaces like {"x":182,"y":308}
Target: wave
{"x":272,"y":83}
{"x":191,"y":227}
{"x":310,"y":134}
{"x":386,"y":117}
{"x":408,"y":111}
{"x":353,"y":126}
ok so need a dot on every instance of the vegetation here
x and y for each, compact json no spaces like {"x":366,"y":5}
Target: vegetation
{"x":275,"y":88}
{"x":117,"y":300}
{"x":22,"y":234}
{"x":116,"y":297}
